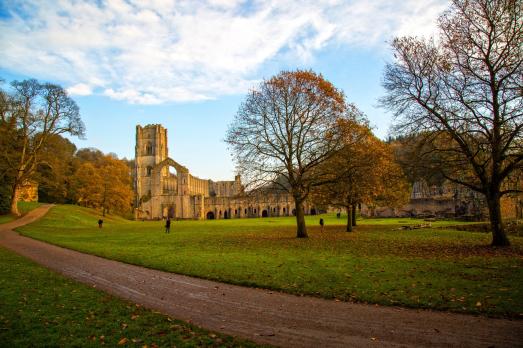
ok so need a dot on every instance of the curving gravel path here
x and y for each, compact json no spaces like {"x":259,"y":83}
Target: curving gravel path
{"x":261,"y":315}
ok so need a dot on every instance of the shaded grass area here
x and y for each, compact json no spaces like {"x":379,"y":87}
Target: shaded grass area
{"x":434,"y":268}
{"x":42,"y":309}
{"x":23,"y":207}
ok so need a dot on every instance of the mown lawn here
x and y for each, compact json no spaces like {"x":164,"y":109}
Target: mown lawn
{"x":379,"y":263}
{"x":42,"y":309}
{"x":23,"y":207}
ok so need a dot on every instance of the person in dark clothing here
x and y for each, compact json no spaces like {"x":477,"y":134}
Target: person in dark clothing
{"x":321,"y":224}
{"x":100,"y":223}
{"x":168,"y":225}
{"x":338,"y":215}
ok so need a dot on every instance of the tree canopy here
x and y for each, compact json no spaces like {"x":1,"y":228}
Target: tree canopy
{"x":463,"y":95}
{"x":284,"y":130}
{"x":30,"y":113}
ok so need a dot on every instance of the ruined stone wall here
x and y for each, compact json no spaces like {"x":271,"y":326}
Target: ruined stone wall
{"x":161,"y":192}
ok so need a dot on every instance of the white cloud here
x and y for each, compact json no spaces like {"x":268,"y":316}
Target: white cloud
{"x":80,"y":89}
{"x":150,"y":52}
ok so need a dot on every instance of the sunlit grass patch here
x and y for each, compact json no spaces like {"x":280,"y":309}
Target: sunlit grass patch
{"x":434,"y":267}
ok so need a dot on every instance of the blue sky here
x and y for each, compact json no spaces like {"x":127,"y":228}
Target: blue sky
{"x":189,"y":64}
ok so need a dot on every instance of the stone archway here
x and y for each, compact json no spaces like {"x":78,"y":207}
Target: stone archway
{"x":210,"y":215}
{"x":265,"y":213}
{"x":171,"y":212}
{"x":225,"y":215}
{"x":313,"y":211}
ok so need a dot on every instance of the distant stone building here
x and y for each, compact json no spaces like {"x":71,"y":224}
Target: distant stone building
{"x":28,"y":192}
{"x":447,"y":200}
{"x":165,"y":188}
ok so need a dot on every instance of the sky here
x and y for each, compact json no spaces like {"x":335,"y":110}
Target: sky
{"x":189,"y":64}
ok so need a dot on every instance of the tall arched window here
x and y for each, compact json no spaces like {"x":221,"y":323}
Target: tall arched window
{"x":149,"y":170}
{"x":149,"y":149}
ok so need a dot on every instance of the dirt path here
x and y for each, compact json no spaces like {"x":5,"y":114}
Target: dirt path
{"x":266,"y":316}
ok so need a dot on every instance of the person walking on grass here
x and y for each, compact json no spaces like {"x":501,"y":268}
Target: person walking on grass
{"x":100,"y":223}
{"x":168,"y":225}
{"x":321,"y":224}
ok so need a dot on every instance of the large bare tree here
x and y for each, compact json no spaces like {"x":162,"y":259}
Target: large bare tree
{"x":283,"y":131}
{"x":32,"y":112}
{"x":463,"y":93}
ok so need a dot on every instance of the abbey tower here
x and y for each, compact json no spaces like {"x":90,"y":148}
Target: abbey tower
{"x":150,"y":149}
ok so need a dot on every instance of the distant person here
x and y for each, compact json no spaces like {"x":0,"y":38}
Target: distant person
{"x":338,"y":215}
{"x":321,"y":224}
{"x":168,"y":225}
{"x":100,"y":223}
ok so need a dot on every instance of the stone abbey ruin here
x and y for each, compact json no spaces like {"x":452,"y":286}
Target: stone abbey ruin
{"x":164,"y":188}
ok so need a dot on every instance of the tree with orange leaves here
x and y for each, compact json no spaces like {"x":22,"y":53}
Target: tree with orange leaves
{"x":104,"y":184}
{"x":284,"y":130}
{"x":362,"y":171}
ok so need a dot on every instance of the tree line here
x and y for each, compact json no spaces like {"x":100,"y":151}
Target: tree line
{"x":33,"y":118}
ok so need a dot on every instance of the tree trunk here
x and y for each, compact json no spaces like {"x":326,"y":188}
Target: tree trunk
{"x":14,"y":200}
{"x":349,"y":218}
{"x":300,"y":220}
{"x":354,"y":215}
{"x":499,"y":238}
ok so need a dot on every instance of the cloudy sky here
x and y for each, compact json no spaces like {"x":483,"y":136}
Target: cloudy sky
{"x":188,"y":64}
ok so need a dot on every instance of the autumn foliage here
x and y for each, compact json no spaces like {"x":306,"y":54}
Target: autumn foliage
{"x":363,"y":171}
{"x":104,"y":184}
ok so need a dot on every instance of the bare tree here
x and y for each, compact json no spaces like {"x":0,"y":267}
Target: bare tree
{"x":30,"y":113}
{"x":283,"y":131}
{"x":464,"y":95}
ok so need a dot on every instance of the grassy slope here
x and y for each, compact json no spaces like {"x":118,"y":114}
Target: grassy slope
{"x":23,"y":207}
{"x":427,"y":268}
{"x":41,"y":308}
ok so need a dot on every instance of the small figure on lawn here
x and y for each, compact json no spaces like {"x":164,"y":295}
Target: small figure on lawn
{"x":100,"y":223}
{"x":321,"y":224}
{"x":338,"y":215}
{"x":168,"y":225}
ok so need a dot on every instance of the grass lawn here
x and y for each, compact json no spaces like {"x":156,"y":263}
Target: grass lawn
{"x":23,"y":207}
{"x":42,"y":309}
{"x":434,"y":268}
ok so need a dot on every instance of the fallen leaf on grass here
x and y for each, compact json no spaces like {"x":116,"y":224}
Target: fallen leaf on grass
{"x":122,"y":341}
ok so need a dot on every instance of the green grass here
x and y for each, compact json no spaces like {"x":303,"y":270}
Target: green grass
{"x":42,"y":309}
{"x":23,"y":207}
{"x":436,"y":268}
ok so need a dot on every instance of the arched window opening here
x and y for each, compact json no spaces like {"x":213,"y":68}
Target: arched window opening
{"x":149,"y":170}
{"x":149,"y":149}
